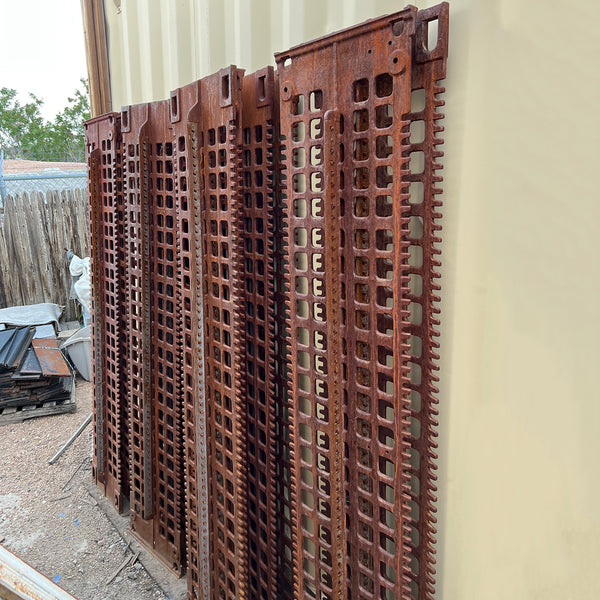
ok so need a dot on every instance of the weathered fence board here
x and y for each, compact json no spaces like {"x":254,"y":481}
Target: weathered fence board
{"x":35,"y":231}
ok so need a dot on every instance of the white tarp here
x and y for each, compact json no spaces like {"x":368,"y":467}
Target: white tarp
{"x":80,"y":267}
{"x":31,"y":314}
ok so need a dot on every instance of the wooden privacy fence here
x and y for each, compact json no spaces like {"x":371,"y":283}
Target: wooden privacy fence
{"x":35,"y":229}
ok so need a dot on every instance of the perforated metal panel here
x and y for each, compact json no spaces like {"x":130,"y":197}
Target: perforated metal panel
{"x":111,"y":460}
{"x":273,"y":260}
{"x":355,"y":248}
{"x":224,"y":332}
{"x":155,"y":354}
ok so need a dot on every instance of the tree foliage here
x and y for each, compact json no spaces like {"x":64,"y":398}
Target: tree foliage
{"x":25,"y":134}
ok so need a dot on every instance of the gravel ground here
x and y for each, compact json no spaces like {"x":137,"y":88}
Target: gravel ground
{"x":69,"y":538}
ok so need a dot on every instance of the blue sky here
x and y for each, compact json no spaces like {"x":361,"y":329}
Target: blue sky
{"x":42,"y":50}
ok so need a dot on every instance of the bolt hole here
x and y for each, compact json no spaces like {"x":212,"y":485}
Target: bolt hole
{"x":287,"y":62}
{"x":370,"y":51}
{"x":395,"y":60}
{"x":390,"y":43}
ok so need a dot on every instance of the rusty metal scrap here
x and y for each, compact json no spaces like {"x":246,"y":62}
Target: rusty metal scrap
{"x":265,"y":265}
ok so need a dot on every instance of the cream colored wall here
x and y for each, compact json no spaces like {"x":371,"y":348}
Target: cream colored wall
{"x":520,"y":405}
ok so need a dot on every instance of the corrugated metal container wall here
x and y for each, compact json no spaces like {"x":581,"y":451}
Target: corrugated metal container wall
{"x":519,"y":422}
{"x":156,"y":46}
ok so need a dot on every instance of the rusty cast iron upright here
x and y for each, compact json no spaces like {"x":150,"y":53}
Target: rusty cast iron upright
{"x":265,"y":264}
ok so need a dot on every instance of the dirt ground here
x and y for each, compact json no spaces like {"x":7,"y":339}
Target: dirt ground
{"x":64,"y":533}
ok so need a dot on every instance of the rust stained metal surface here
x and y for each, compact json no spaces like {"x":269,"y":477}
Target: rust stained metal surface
{"x":50,"y":357}
{"x":265,"y":277}
{"x":158,"y":510}
{"x":257,"y":170}
{"x":109,"y":324}
{"x":363,"y":77}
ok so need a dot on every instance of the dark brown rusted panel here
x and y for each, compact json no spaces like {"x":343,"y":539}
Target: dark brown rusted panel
{"x":185,"y":109}
{"x":258,"y":148}
{"x":277,"y":314}
{"x":107,"y":246}
{"x":428,"y":68}
{"x":224,"y":334}
{"x":365,"y":74}
{"x":157,"y":502}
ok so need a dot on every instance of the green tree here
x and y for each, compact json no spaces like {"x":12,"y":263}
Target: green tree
{"x":25,"y":134}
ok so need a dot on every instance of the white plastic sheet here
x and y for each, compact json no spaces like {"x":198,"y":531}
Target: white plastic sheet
{"x":31,"y":314}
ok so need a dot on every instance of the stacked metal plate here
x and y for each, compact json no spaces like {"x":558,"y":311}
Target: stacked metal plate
{"x":35,"y":379}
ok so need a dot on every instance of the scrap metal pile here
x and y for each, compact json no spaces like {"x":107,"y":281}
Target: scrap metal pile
{"x":35,"y":379}
{"x":264,"y":272}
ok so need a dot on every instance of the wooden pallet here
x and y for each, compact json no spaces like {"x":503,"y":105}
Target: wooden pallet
{"x":10,"y":415}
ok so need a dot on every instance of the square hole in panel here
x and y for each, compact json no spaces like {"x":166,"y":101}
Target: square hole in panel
{"x":415,"y":258}
{"x":385,"y":324}
{"x":361,"y":206}
{"x":363,"y":428}
{"x":361,"y":149}
{"x":299,"y":183}
{"x":416,"y":191}
{"x":364,"y":457}
{"x":416,"y":162}
{"x":417,"y":100}
{"x":416,"y":346}
{"x":417,"y":132}
{"x":386,"y":410}
{"x":320,"y":341}
{"x":300,"y":236}
{"x":361,"y":239}
{"x":386,"y":437}
{"x":385,"y":268}
{"x":298,"y":131}
{"x":363,"y":350}
{"x":301,"y":261}
{"x":384,"y":239}
{"x":384,"y":146}
{"x":302,"y":336}
{"x":316,"y":100}
{"x":318,"y":237}
{"x":361,"y":120}
{"x":384,"y":206}
{"x":415,"y":313}
{"x":298,"y":157}
{"x":318,"y":287}
{"x":361,"y":178}
{"x":415,"y":284}
{"x":362,"y":293}
{"x":316,"y":155}
{"x":302,"y":309}
{"x":415,"y":228}
{"x":384,"y":85}
{"x":316,"y":128}
{"x":385,"y":356}
{"x":300,"y":208}
{"x":361,"y":90}
{"x":318,"y":263}
{"x":298,"y":105}
{"x":319,"y":313}
{"x":302,"y":285}
{"x":362,"y":319}
{"x":316,"y":207}
{"x":316,"y":181}
{"x":361,"y":266}
{"x":384,"y":176}
{"x":384,"y":116}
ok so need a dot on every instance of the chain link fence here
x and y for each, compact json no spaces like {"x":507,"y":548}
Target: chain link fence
{"x":17,"y":184}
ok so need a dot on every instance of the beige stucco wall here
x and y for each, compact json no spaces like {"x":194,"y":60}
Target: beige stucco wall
{"x":520,"y":404}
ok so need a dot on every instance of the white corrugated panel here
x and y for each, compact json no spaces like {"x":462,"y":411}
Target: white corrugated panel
{"x":156,"y":46}
{"x":520,"y":416}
